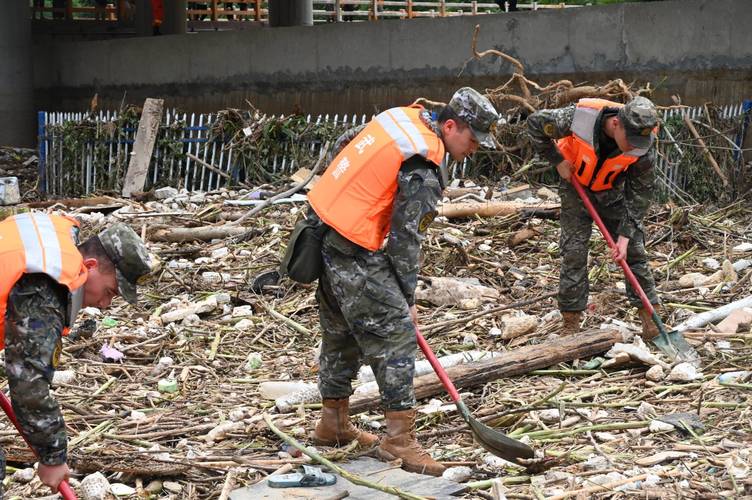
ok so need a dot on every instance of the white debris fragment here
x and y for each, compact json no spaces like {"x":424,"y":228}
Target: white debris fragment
{"x":596,"y":462}
{"x":551,"y":316}
{"x":172,"y":486}
{"x":207,"y":305}
{"x":165,"y":192}
{"x":437,"y":406}
{"x":637,"y":352}
{"x":63,"y":377}
{"x":470,"y":339}
{"x":24,"y":475}
{"x":516,"y":325}
{"x":548,"y":416}
{"x":711,"y":263}
{"x":122,"y":490}
{"x":244,"y":324}
{"x":655,"y":373}
{"x":656,"y":426}
{"x":457,"y":474}
{"x":95,"y":487}
{"x":221,"y":431}
{"x":736,"y":465}
{"x":691,"y":280}
{"x":742,"y":248}
{"x":605,"y":437}
{"x":237,"y":414}
{"x":220,"y":252}
{"x":684,"y":372}
{"x":241,"y":311}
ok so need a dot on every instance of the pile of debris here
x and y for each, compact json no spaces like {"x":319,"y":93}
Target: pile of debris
{"x":169,"y":398}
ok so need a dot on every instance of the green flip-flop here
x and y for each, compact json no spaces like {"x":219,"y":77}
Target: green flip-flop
{"x":309,"y":476}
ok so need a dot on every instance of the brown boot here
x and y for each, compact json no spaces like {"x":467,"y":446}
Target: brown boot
{"x":400,"y":442}
{"x":570,"y":322}
{"x":649,"y":329}
{"x":335,"y":428}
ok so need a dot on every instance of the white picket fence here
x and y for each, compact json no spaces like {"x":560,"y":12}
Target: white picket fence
{"x":191,"y":175}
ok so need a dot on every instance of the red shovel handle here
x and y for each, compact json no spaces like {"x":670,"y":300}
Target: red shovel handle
{"x":440,"y":372}
{"x":63,"y":488}
{"x":623,"y":263}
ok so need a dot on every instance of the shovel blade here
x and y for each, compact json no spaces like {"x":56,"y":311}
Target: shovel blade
{"x":494,"y":441}
{"x":675,"y":346}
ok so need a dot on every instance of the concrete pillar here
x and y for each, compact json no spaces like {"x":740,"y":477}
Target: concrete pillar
{"x":17,"y":117}
{"x":290,"y":13}
{"x":176,"y":18}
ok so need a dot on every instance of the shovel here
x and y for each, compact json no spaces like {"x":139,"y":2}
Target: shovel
{"x":490,"y":439}
{"x":672,"y":344}
{"x":64,"y":488}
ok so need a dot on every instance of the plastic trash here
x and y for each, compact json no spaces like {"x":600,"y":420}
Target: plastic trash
{"x":277,"y":389}
{"x":734,"y":377}
{"x":169,"y":385}
{"x":109,"y":322}
{"x":110,"y":354}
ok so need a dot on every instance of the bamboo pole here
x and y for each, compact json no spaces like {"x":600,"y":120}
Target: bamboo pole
{"x":705,"y":150}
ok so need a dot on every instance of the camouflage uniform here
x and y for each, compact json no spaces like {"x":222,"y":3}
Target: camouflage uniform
{"x":364,"y":297}
{"x":622,"y":208}
{"x":36,"y":314}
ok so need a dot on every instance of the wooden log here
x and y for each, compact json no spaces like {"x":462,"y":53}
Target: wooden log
{"x":521,"y":236}
{"x":77,"y":202}
{"x":203,"y":233}
{"x":515,"y":362}
{"x":146,"y":135}
{"x":490,"y":209}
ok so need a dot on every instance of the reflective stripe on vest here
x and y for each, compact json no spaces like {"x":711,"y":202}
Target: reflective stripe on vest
{"x":40,"y":243}
{"x":355,"y":194}
{"x":579,"y":148}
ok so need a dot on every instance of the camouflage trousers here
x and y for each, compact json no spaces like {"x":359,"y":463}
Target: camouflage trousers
{"x":364,"y":319}
{"x":576,"y":228}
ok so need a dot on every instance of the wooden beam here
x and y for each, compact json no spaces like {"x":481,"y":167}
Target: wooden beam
{"x":515,"y":362}
{"x":148,"y":127}
{"x":490,"y":209}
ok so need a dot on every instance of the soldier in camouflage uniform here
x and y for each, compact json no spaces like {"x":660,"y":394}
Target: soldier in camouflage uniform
{"x":367,"y":298}
{"x":37,"y":310}
{"x":622,"y":207}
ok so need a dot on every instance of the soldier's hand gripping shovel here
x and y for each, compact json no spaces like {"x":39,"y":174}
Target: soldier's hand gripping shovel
{"x":64,"y":488}
{"x":492,"y":440}
{"x":672,"y":343}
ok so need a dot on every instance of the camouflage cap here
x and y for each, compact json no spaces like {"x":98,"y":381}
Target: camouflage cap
{"x":639,"y":117}
{"x":478,"y":112}
{"x":126,"y":250}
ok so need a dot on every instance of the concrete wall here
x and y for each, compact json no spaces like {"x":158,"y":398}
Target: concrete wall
{"x":17,"y":117}
{"x":700,"y":49}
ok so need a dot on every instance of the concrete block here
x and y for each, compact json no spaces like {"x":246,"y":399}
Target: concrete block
{"x":9,"y":191}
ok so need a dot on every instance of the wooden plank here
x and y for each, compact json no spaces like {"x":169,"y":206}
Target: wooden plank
{"x":490,"y":209}
{"x":148,"y":127}
{"x":515,"y":362}
{"x":302,"y":174}
{"x":365,"y":467}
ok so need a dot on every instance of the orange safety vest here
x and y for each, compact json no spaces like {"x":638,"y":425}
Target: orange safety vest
{"x":356,"y":192}
{"x":579,"y":148}
{"x":41,"y":243}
